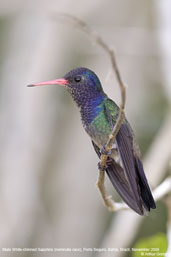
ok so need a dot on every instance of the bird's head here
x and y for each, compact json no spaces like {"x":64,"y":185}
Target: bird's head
{"x":82,"y":83}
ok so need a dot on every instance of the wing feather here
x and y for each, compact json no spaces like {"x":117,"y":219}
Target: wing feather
{"x":117,"y":176}
{"x":124,"y":142}
{"x":129,"y":180}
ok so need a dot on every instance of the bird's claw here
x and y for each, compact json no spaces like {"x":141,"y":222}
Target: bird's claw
{"x":100,"y":167}
{"x":103,"y":151}
{"x":108,"y":163}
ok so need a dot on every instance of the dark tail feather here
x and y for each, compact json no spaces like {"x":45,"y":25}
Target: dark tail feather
{"x":117,"y":177}
{"x":143,"y":201}
{"x":146,"y":194}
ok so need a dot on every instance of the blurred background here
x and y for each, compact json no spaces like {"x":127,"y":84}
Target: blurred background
{"x":48,"y":168}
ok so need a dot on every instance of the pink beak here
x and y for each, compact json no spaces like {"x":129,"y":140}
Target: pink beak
{"x":50,"y":82}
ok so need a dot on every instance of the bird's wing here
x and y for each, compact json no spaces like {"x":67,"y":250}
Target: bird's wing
{"x":124,"y":143}
{"x":133,"y":168}
{"x":132,"y":185}
{"x":117,"y":176}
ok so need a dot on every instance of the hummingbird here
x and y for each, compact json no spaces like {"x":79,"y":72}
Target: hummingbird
{"x":99,"y":115}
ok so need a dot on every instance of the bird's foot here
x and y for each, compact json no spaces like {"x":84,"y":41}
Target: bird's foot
{"x":103,"y":151}
{"x":108,"y":163}
{"x":100,"y":167}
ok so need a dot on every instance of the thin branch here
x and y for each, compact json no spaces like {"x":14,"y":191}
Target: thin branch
{"x":106,"y":198}
{"x":163,"y":189}
{"x":110,"y":52}
{"x":159,"y":193}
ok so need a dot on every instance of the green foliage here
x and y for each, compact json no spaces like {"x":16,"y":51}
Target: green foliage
{"x":151,"y":246}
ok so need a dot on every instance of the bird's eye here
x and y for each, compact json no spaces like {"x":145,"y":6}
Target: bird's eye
{"x":77,"y":78}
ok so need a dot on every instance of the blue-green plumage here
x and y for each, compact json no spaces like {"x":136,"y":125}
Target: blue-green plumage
{"x":99,"y":115}
{"x":100,"y":127}
{"x":92,"y":102}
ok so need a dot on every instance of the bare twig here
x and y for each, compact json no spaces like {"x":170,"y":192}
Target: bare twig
{"x":163,"y":189}
{"x":106,"y":198}
{"x":110,"y":52}
{"x":159,"y":193}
